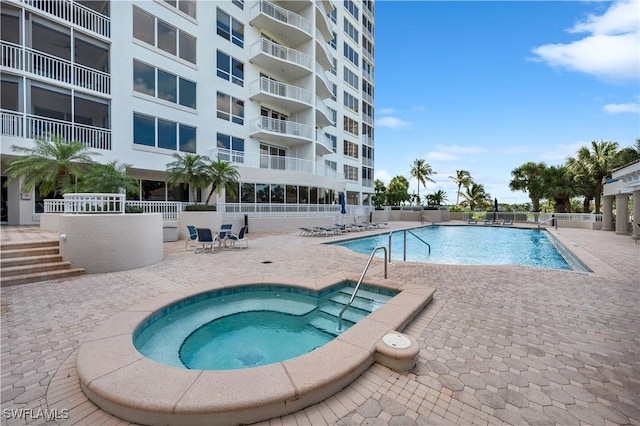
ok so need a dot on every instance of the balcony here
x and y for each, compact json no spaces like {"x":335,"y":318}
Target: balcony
{"x":323,"y":114}
{"x":367,"y":75}
{"x":48,"y":66}
{"x":367,"y":162}
{"x":323,"y":56}
{"x":322,"y":21}
{"x":21,"y":125}
{"x":368,"y":12}
{"x":291,"y":98}
{"x":323,"y":85}
{"x":292,"y":28}
{"x":74,"y":13}
{"x":367,"y":119}
{"x":289,"y":63}
{"x":367,"y":33}
{"x":367,"y":98}
{"x":367,"y":140}
{"x":289,"y":133}
{"x":368,"y":55}
{"x":324,"y":146}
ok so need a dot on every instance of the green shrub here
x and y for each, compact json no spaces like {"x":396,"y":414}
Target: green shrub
{"x":200,"y":208}
{"x":133,"y":209}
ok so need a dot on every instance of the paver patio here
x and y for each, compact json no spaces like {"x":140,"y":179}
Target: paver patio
{"x":499,"y":344}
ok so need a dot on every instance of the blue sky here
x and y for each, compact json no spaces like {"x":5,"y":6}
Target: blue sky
{"x":486,"y":86}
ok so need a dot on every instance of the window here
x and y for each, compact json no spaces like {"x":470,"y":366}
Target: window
{"x":230,"y":69}
{"x":350,"y":149}
{"x":350,"y":30}
{"x":239,"y":3}
{"x":333,"y":42}
{"x":164,"y":36}
{"x":368,"y":26}
{"x":334,"y":142}
{"x":334,"y":115}
{"x":350,"y":102}
{"x":170,"y":87}
{"x":351,"y":78}
{"x":161,"y":133}
{"x":334,"y":92}
{"x":230,"y":108}
{"x":333,"y":15}
{"x":367,"y":177}
{"x":272,"y":157}
{"x":187,"y":7}
{"x":367,"y":109}
{"x":350,"y":173}
{"x":350,"y":126}
{"x":331,"y":165}
{"x":367,"y":69}
{"x":351,"y":54}
{"x":235,"y":147}
{"x":352,"y":8}
{"x":230,"y":29}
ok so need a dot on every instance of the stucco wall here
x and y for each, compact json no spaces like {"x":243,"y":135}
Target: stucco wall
{"x":111,"y":242}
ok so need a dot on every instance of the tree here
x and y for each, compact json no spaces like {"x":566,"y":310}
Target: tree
{"x":475,"y":196}
{"x":437,"y":198}
{"x":598,"y":162}
{"x":628,"y":155}
{"x":222,"y":175}
{"x":583,"y":182}
{"x":462,"y":177}
{"x":397,"y":191}
{"x":528,"y":178}
{"x":559,"y":186}
{"x":421,"y":170}
{"x":108,"y":178}
{"x":380,"y":193}
{"x":190,"y":169}
{"x":51,"y":166}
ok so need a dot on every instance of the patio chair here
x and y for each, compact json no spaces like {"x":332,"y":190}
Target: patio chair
{"x":193,"y":235}
{"x":205,"y":240}
{"x":237,"y":239}
{"x":507,"y":222}
{"x":225,"y":230}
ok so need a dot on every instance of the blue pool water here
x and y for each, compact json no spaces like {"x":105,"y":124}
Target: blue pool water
{"x":474,"y":245}
{"x":250,"y":326}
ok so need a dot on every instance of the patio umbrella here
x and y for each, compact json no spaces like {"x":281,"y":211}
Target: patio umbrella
{"x":495,"y":208}
{"x":343,"y":204}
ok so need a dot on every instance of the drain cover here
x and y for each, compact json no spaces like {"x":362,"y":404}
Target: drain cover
{"x":267,"y":261}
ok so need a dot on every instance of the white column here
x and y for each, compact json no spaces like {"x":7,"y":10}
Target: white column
{"x":636,"y":213}
{"x":622,"y":214}
{"x":607,"y":213}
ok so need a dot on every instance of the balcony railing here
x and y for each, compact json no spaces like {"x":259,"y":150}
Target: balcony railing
{"x":281,"y":52}
{"x":367,"y":97}
{"x":324,"y":140}
{"x":320,"y":72}
{"x":49,"y":66}
{"x":282,"y":15}
{"x":367,"y":55}
{"x":259,"y":210}
{"x":325,"y":110}
{"x":284,"y":127}
{"x":368,"y":75}
{"x":367,"y":161}
{"x":276,"y":88}
{"x":367,"y":33}
{"x":88,"y":203}
{"x":29,"y":126}
{"x":367,"y":119}
{"x":75,"y":13}
{"x":367,"y":140}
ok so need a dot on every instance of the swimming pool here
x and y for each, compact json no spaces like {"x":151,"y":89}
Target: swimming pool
{"x":251,"y":326}
{"x":474,"y":245}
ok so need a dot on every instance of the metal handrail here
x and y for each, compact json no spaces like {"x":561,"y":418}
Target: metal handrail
{"x":551,"y":219}
{"x":364,"y":271}
{"x":404,"y":255}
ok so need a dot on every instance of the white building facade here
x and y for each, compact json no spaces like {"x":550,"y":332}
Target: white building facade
{"x":282,"y":89}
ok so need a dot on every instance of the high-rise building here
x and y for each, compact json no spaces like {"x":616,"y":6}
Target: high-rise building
{"x":284,"y":90}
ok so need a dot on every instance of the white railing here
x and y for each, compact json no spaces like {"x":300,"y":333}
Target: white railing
{"x":367,"y":140}
{"x":367,"y":97}
{"x":367,"y":33}
{"x":324,"y":140}
{"x":367,"y":119}
{"x":259,"y":210}
{"x":284,"y":127}
{"x":320,"y":72}
{"x":324,"y":109}
{"x":575,"y":217}
{"x":368,"y":75}
{"x":75,"y":13}
{"x":89,"y":136}
{"x":279,"y":89}
{"x":88,"y":203}
{"x":282,"y":15}
{"x":367,"y":161}
{"x":12,"y":124}
{"x":12,"y":56}
{"x":368,"y":55}
{"x":534,"y":216}
{"x":281,"y":52}
{"x":367,"y":11}
{"x":367,"y":182}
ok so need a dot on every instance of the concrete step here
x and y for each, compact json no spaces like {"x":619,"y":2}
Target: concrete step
{"x":29,"y":260}
{"x":18,"y":245}
{"x":40,"y":276}
{"x":29,"y":252}
{"x":34,"y":268}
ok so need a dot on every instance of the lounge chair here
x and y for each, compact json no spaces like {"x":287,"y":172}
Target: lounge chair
{"x":507,"y":222}
{"x":321,"y":230}
{"x":487,"y":221}
{"x":370,"y":225}
{"x":237,"y":239}
{"x":339,"y":229}
{"x":205,"y":240}
{"x":355,"y":227}
{"x":474,"y":221}
{"x":193,"y":235}
{"x":305,"y":232}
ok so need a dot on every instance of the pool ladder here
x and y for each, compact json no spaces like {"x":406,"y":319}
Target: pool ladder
{"x":364,"y":271}
{"x":404,"y":233}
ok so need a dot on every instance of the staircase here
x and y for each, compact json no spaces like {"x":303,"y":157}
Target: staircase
{"x":23,"y":262}
{"x":363,"y":304}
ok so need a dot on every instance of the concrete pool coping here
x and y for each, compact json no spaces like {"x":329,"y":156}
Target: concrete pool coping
{"x":121,"y":381}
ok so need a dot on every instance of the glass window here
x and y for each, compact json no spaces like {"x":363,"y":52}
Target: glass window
{"x":187,"y":93}
{"x":187,"y":138}
{"x":238,"y":72}
{"x":222,"y":25}
{"x":188,"y":7}
{"x":187,"y":47}
{"x":223,"y":65}
{"x":153,"y":190}
{"x":144,"y":130}
{"x":277,"y":193}
{"x":167,"y":137}
{"x":10,"y":28}
{"x":313,"y":195}
{"x":178,"y":192}
{"x":239,"y":3}
{"x":167,"y":37}
{"x":9,"y":95}
{"x":224,"y":141}
{"x":303,"y":195}
{"x":91,"y":113}
{"x":237,"y":111}
{"x":223,"y":106}
{"x":167,"y":89}
{"x":262,"y":192}
{"x":248,"y":193}
{"x":237,"y":33}
{"x":143,"y":26}
{"x":292,"y":194}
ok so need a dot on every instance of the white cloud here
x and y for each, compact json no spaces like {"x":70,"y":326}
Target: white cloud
{"x":457,"y":149}
{"x":622,"y":108}
{"x":610,"y":51}
{"x":386,"y":111}
{"x":441,"y":156}
{"x":383,"y":175}
{"x":560,"y":152}
{"x":391,"y":122}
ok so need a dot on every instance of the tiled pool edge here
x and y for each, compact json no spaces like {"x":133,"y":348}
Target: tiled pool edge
{"x":124,"y":383}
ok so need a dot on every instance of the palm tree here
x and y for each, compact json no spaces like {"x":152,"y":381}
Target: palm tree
{"x":222,"y":175}
{"x":109,"y":178}
{"x":421,"y":170}
{"x":598,"y":162}
{"x":52,"y":166}
{"x":437,"y":198}
{"x":462,"y":177}
{"x":190,"y":169}
{"x":559,"y":186}
{"x":476,"y":197}
{"x":528,"y":178}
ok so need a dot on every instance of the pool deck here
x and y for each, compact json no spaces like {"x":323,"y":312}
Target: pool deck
{"x":499,"y":344}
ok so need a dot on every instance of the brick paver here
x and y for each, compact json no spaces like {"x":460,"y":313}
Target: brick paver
{"x":499,"y":345}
